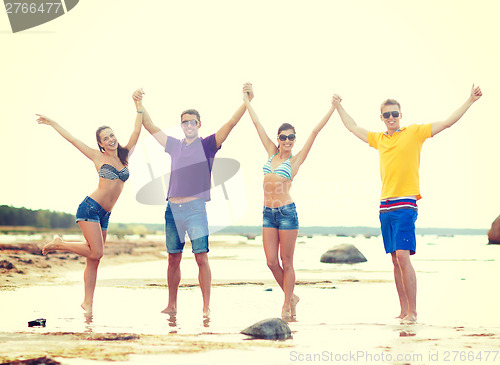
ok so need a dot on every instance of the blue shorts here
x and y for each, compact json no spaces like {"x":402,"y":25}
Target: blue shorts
{"x":398,"y":230}
{"x":284,"y":217}
{"x":190,"y":218}
{"x":90,"y":211}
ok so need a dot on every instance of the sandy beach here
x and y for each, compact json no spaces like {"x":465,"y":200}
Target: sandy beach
{"x":346,"y":313}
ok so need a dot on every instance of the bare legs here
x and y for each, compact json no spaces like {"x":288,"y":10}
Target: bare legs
{"x":406,"y":285}
{"x":282,"y":242}
{"x":174,"y":278}
{"x":92,"y":249}
{"x":205,"y":279}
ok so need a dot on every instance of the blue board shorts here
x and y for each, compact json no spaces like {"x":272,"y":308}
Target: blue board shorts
{"x":190,"y":218}
{"x":90,"y":211}
{"x":281,"y":218}
{"x":398,"y":229}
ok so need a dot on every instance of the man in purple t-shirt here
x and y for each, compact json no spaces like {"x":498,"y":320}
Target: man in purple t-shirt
{"x":188,"y":191}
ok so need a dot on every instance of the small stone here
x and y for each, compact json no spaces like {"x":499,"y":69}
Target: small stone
{"x":4,"y":264}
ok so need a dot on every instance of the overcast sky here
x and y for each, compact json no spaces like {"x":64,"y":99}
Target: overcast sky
{"x":82,"y":68}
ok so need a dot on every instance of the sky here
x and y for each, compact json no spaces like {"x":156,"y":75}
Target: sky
{"x":82,"y":68}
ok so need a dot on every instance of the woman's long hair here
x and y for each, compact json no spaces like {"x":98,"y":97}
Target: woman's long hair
{"x":122,"y":151}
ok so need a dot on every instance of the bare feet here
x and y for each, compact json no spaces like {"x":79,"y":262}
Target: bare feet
{"x":170,"y":310}
{"x":52,"y":245}
{"x":409,"y":319}
{"x":286,"y":313}
{"x":87,"y":308}
{"x":293,"y":305}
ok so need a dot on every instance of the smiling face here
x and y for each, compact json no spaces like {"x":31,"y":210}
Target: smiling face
{"x":287,"y":144}
{"x":107,"y":139}
{"x":190,"y":125}
{"x":391,"y":122}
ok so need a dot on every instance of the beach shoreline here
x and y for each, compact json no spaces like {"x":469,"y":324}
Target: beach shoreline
{"x":22,"y":263}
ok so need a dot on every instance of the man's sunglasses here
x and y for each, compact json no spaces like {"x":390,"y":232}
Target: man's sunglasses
{"x":283,"y":137}
{"x":192,"y":122}
{"x":387,"y":115}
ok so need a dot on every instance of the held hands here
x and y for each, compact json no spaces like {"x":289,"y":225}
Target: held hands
{"x":475,"y":93}
{"x":336,"y":99}
{"x":248,"y":91}
{"x":137,"y":97}
{"x":44,"y":120}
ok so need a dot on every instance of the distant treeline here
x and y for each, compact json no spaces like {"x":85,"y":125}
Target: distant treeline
{"x":11,"y":216}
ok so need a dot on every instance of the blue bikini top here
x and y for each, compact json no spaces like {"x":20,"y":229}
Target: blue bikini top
{"x":283,"y":170}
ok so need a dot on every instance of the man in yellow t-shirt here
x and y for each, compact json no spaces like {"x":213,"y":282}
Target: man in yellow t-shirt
{"x":399,"y":150}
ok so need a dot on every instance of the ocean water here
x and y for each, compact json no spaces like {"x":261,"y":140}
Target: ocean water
{"x":339,"y":303}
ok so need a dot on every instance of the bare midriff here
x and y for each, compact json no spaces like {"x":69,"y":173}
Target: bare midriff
{"x":276,"y":191}
{"x":182,"y":199}
{"x":107,"y":193}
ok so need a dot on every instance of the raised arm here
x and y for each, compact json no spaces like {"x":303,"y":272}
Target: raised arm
{"x":301,"y":156}
{"x":137,"y":125}
{"x":351,"y":125}
{"x":82,"y":147}
{"x":437,"y":127}
{"x":266,"y":141}
{"x":155,"y":131}
{"x":224,"y":131}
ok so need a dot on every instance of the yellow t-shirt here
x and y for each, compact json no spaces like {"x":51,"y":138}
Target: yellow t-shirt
{"x":400,"y":159}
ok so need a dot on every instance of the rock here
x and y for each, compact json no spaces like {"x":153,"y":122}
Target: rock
{"x":494,"y":233}
{"x":4,"y":264}
{"x":271,"y":329}
{"x":115,"y":337}
{"x":36,"y":361}
{"x":343,"y":254}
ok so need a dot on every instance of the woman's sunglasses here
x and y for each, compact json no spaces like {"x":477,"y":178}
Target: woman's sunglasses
{"x":387,"y":115}
{"x":283,"y":137}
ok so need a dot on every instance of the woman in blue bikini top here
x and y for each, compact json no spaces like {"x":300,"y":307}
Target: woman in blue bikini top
{"x":111,"y":162}
{"x":280,"y":221}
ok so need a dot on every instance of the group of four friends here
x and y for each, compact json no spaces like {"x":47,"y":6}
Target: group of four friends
{"x":190,"y":182}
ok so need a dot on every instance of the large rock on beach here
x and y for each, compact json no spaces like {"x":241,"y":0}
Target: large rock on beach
{"x":494,"y":233}
{"x":343,"y":254}
{"x":271,"y":329}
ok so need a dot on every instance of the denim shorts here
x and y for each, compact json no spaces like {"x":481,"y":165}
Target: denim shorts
{"x":398,"y":230}
{"x":190,"y":218}
{"x":284,"y":217}
{"x":90,"y":211}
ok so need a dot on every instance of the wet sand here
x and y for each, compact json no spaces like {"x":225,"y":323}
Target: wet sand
{"x":23,"y":268}
{"x":345,"y":315}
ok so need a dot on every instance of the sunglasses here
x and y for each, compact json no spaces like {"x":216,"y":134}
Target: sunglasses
{"x":387,"y":115}
{"x":283,"y":137}
{"x":191,"y":122}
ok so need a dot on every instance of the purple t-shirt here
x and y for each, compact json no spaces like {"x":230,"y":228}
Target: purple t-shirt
{"x":191,"y":167}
